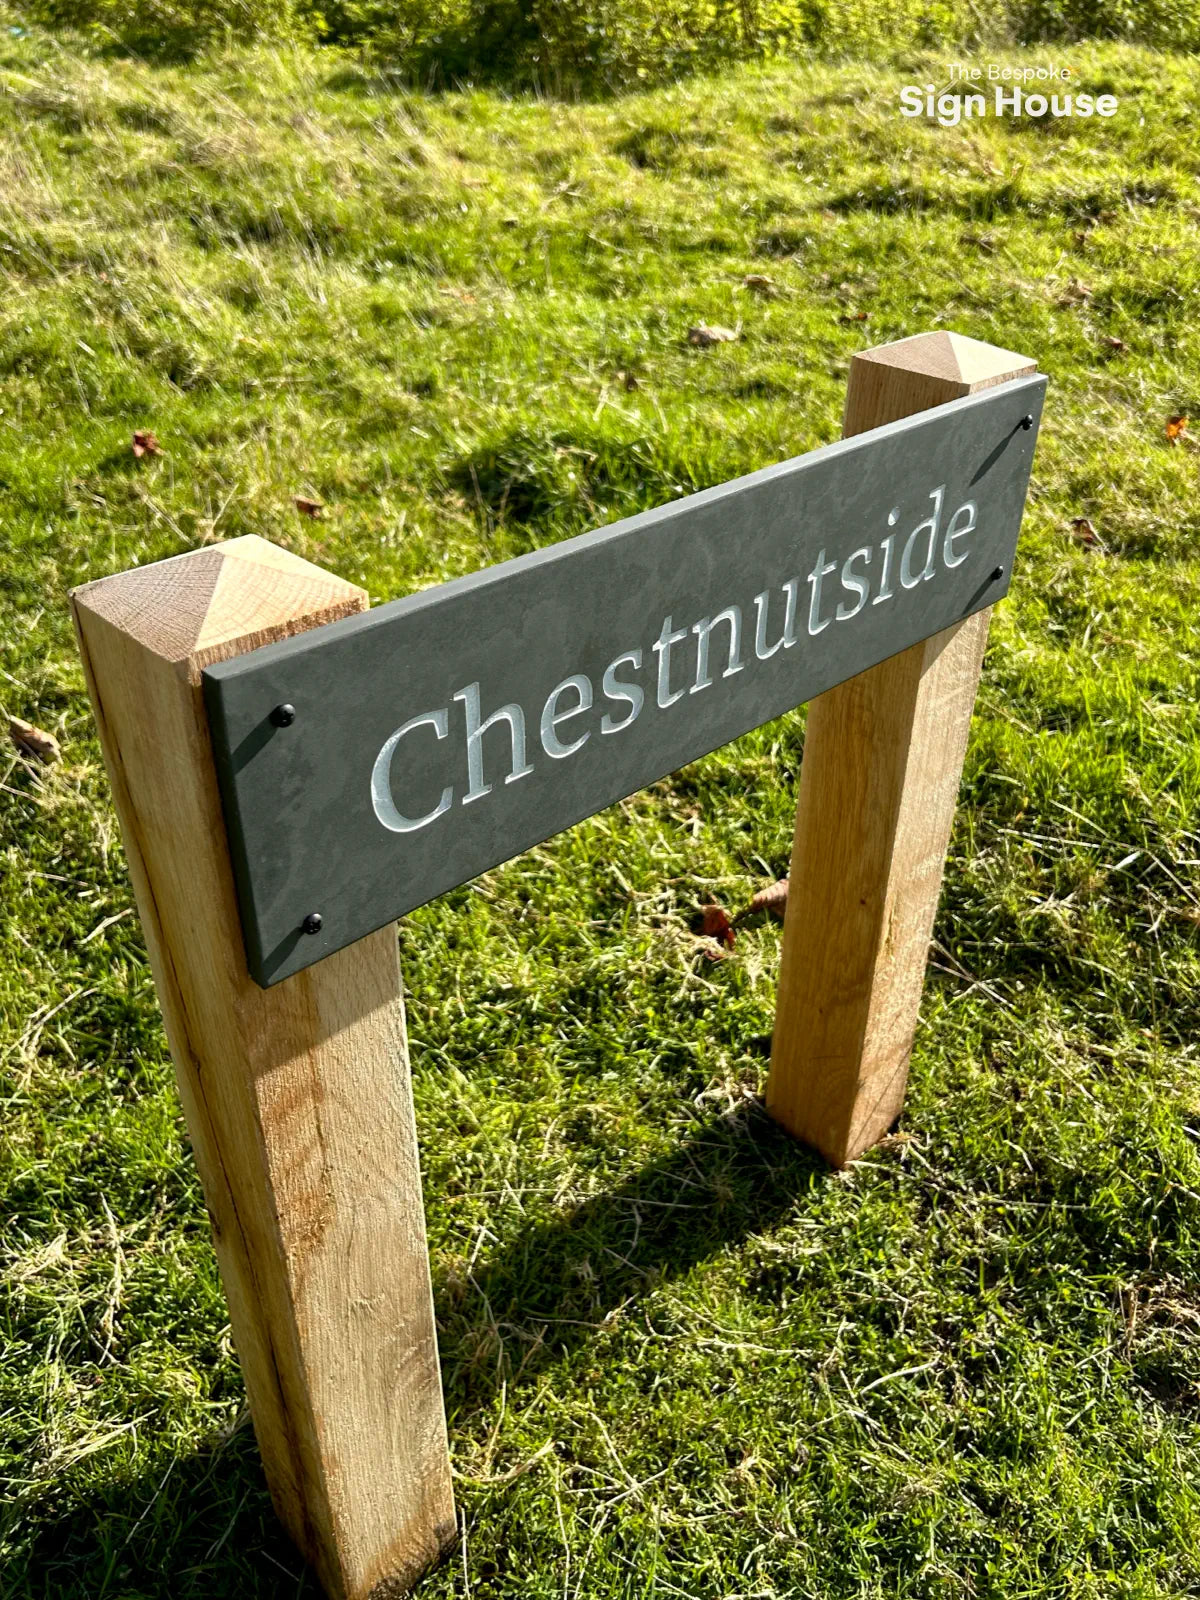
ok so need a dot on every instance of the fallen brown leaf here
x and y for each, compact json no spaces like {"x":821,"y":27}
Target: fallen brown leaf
{"x":31,"y":741}
{"x":1176,"y":428}
{"x":307,"y":507}
{"x":1082,"y":530}
{"x":772,"y":899}
{"x":145,"y":444}
{"x":1076,"y":293}
{"x":1113,"y":342}
{"x":759,"y":283}
{"x":714,"y":923}
{"x":704,"y":334}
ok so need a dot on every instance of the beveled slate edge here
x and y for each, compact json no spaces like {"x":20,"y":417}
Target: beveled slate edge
{"x":1029,"y":390}
{"x":218,"y":733}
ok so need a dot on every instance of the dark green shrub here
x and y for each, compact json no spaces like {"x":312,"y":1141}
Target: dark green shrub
{"x":585,"y":45}
{"x":168,"y":25}
{"x":1174,"y":23}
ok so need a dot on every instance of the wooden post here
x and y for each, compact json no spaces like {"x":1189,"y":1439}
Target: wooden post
{"x":297,"y":1097}
{"x":883,"y":758}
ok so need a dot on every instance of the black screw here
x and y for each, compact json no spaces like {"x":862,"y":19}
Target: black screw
{"x":312,"y":922}
{"x":1027,"y":423}
{"x":283,"y":716}
{"x":997,"y":574}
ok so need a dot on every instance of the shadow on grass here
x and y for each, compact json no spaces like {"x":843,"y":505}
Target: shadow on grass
{"x":977,"y":203}
{"x":540,"y":1296}
{"x":201,"y":1525}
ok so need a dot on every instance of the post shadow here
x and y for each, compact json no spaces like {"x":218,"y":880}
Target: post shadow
{"x":201,"y":1524}
{"x":548,"y":1290}
{"x":194,"y":1525}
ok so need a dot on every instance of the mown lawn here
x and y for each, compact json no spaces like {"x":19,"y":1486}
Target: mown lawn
{"x":681,"y":1356}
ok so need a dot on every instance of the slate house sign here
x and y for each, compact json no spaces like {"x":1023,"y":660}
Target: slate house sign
{"x":370,"y":765}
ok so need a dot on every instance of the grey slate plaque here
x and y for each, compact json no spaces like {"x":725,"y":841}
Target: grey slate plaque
{"x":440,"y":734}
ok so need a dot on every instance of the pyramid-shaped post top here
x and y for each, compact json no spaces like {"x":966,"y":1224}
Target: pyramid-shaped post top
{"x":206,"y":605}
{"x":951,"y":358}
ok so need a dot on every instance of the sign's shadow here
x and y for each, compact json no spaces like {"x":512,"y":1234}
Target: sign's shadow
{"x":550,"y":1288}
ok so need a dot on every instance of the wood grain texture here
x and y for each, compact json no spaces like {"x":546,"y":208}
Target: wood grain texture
{"x":883,"y":757}
{"x":297,"y":1098}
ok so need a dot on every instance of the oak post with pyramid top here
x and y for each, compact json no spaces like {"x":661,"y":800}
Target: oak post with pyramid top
{"x":883,"y":757}
{"x":297,"y":1098}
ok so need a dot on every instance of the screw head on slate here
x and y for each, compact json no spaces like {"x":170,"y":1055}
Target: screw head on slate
{"x":312,"y":922}
{"x":1027,"y":423}
{"x":283,"y":716}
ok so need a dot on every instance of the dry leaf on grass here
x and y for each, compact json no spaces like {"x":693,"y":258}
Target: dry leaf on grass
{"x":703,"y":335}
{"x":1082,"y":530}
{"x":31,"y":741}
{"x":1075,"y":294}
{"x":759,"y":283}
{"x":1113,"y":343}
{"x":307,"y":507}
{"x":1176,"y":428}
{"x":145,"y":444}
{"x":712,"y":922}
{"x":772,"y":899}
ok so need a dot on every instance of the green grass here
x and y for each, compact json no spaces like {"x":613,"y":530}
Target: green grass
{"x":971,"y":1365}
